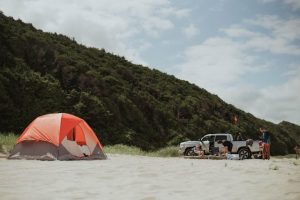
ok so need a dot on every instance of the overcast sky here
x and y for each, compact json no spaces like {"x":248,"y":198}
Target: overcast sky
{"x":247,"y":52}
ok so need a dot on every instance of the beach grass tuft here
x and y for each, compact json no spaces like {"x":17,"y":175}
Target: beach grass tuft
{"x":171,"y":151}
{"x":7,"y":142}
{"x":124,"y":149}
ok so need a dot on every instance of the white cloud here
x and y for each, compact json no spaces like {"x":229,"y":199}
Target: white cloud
{"x":237,"y":31}
{"x":278,"y":37}
{"x":191,"y":31}
{"x":267,"y":1}
{"x":217,"y":61}
{"x":279,"y":102}
{"x":288,"y":29}
{"x":218,"y":6}
{"x":108,"y":24}
{"x":220,"y":64}
{"x":275,"y":103}
{"x":178,"y":13}
{"x":294,"y":3}
{"x":153,"y":25}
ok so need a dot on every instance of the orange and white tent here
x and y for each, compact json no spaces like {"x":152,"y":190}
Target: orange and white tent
{"x":58,"y":136}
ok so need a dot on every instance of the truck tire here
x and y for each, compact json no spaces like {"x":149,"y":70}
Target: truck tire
{"x":244,"y":153}
{"x":189,"y":152}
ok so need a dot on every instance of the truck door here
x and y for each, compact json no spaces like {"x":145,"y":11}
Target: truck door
{"x":207,"y":143}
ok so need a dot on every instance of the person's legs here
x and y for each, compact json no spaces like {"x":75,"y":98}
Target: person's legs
{"x":268,"y":150}
{"x":264,"y":152}
{"x":225,"y":149}
{"x":230,"y":148}
{"x":201,"y":154}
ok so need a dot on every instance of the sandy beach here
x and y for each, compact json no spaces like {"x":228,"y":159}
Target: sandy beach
{"x":145,"y":178}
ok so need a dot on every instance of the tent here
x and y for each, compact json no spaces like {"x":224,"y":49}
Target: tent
{"x":58,"y":136}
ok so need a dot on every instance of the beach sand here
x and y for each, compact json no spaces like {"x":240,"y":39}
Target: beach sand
{"x":146,"y":178}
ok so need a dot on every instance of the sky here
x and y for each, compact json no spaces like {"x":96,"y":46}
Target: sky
{"x":246,"y":52}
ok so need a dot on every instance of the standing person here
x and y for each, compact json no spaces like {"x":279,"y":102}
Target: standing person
{"x":266,"y":139}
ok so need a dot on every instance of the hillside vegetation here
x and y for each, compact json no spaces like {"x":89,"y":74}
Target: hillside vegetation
{"x":124,"y":103}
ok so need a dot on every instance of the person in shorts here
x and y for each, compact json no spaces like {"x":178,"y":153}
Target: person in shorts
{"x":266,"y":139}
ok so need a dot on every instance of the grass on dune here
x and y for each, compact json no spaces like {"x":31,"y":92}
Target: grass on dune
{"x":171,"y":151}
{"x":7,"y":142}
{"x":123,"y":149}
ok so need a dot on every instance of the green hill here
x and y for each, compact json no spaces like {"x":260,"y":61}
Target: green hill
{"x":124,"y":103}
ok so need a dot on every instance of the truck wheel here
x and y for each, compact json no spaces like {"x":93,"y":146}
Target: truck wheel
{"x":244,"y":153}
{"x":189,"y":152}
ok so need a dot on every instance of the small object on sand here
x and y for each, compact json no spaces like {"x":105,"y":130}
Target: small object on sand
{"x":191,"y":157}
{"x":211,"y":157}
{"x":233,"y":156}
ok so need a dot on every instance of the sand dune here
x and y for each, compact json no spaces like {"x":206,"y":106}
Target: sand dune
{"x":145,"y":178}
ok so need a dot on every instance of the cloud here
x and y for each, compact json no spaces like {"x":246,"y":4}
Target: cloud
{"x":275,"y":103}
{"x":294,"y":3}
{"x":267,"y":1}
{"x":218,"y":6}
{"x":237,"y":31}
{"x":288,"y":29}
{"x":172,"y":12}
{"x":226,"y":64}
{"x":190,"y":31}
{"x":278,"y":36}
{"x":108,"y":24}
{"x":215,"y":62}
{"x":280,"y":102}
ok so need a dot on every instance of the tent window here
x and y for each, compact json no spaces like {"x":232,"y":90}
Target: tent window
{"x":71,"y":136}
{"x":80,"y":137}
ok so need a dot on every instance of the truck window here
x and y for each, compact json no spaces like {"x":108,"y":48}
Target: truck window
{"x":208,"y":138}
{"x":221,"y":137}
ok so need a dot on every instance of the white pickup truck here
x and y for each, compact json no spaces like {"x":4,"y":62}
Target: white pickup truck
{"x":209,"y":142}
